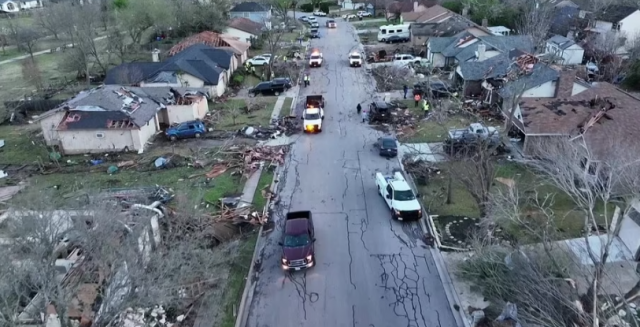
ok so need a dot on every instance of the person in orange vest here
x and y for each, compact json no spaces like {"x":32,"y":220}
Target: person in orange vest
{"x":417,"y":99}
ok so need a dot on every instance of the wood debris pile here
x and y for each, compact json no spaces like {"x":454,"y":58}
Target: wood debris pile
{"x":241,"y":215}
{"x":254,"y":157}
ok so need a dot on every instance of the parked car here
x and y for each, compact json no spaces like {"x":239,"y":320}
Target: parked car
{"x":315,"y":25}
{"x":364,"y":14}
{"x":314,"y":34}
{"x":189,"y":129}
{"x":438,"y":89}
{"x":349,"y":16}
{"x":320,"y":14}
{"x":311,"y":19}
{"x":267,"y":88}
{"x":331,"y":23}
{"x":303,"y":18}
{"x":397,"y":39}
{"x":285,"y":81}
{"x":387,"y":147}
{"x":259,"y":61}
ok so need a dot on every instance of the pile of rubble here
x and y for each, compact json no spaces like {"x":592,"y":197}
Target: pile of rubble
{"x":283,"y":126}
{"x":391,"y":77}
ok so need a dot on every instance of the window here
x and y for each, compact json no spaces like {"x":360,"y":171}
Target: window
{"x":616,"y":26}
{"x":245,"y":14}
{"x":100,"y":135}
{"x":389,"y":190}
{"x":383,"y":31}
{"x":10,"y":6}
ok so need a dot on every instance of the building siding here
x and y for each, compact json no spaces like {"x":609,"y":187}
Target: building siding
{"x":49,"y":126}
{"x":263,"y":18}
{"x":186,"y":80}
{"x":244,"y":36}
{"x":87,"y":141}
{"x":546,"y":90}
{"x":179,"y":114}
{"x":630,"y":25}
{"x":438,"y":60}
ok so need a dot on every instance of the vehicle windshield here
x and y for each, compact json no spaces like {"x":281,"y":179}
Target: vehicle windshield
{"x":354,"y":56}
{"x":314,"y":31}
{"x":389,"y":144}
{"x":404,"y":195}
{"x":315,"y":57}
{"x":294,"y":241}
{"x":313,"y":116}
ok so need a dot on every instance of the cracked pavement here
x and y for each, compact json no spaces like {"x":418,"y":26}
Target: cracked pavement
{"x":370,"y":271}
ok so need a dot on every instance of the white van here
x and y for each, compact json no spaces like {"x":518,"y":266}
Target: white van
{"x":402,"y":30}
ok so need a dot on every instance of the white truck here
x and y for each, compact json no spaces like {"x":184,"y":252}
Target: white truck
{"x":399,"y":196}
{"x":355,"y":59}
{"x":407,"y":59}
{"x":316,"y":59}
{"x":313,"y":114}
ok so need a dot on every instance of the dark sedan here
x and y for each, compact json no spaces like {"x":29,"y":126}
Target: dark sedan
{"x":314,"y":34}
{"x":387,"y":147}
{"x":267,"y":88}
{"x":397,"y":39}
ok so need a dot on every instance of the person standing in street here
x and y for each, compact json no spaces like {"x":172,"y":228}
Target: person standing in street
{"x":359,"y":108}
{"x":306,"y":79}
{"x":405,"y":89}
{"x":365,"y":116}
{"x":417,"y":98}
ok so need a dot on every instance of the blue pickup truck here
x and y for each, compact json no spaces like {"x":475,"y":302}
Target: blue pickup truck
{"x":189,"y":129}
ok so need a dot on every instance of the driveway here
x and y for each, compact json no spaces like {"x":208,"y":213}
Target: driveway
{"x":371,"y":271}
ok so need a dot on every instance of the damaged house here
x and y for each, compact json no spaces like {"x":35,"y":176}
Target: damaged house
{"x":199,"y":66}
{"x":613,"y":28}
{"x":421,"y":32}
{"x":449,"y":52}
{"x":603,"y":116}
{"x":118,"y":118}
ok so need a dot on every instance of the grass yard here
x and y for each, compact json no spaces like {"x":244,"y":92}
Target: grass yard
{"x":237,"y":279}
{"x":569,"y":221}
{"x":266,"y":178}
{"x":261,"y":117}
{"x":21,"y":145}
{"x":250,"y":81}
{"x":287,"y":104}
{"x":16,"y":87}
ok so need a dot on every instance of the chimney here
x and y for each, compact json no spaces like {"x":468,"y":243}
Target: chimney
{"x":415,"y":6}
{"x":485,"y":23}
{"x":155,"y":55}
{"x":564,"y":88}
{"x":481,"y":51}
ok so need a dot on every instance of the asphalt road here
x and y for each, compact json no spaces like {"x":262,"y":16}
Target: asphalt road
{"x":371,"y":271}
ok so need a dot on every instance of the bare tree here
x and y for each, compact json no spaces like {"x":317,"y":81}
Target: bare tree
{"x":25,"y":37}
{"x":53,"y":19}
{"x":4,"y":42}
{"x":87,"y":46}
{"x":535,"y":20}
{"x":282,"y":8}
{"x":31,"y":72}
{"x":594,"y":185}
{"x":127,"y":257}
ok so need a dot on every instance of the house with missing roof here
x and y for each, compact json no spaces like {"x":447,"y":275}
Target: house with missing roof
{"x":603,"y":118}
{"x":244,"y":29}
{"x":114,"y":118}
{"x":449,"y":52}
{"x":422,"y":32}
{"x":198,"y":65}
{"x":564,"y":50}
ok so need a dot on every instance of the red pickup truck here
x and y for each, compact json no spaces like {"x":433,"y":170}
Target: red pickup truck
{"x":297,"y":244}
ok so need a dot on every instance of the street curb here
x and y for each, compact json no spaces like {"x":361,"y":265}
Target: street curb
{"x":443,"y":272}
{"x":249,"y":286}
{"x":292,"y":110}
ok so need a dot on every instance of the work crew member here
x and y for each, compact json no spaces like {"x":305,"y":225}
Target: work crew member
{"x":405,"y":89}
{"x":284,"y":59}
{"x":306,"y":79}
{"x":359,"y":108}
{"x":247,"y":65}
{"x":272,"y":75}
{"x":417,"y":99}
{"x":425,"y":108}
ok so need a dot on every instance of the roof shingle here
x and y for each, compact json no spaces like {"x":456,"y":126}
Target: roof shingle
{"x":246,"y":25}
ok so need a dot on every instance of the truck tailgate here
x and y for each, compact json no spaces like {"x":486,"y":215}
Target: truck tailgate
{"x":298,"y":215}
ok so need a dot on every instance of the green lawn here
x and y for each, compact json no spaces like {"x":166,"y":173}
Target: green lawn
{"x":223,"y":185}
{"x":237,"y":279}
{"x":568,"y":220}
{"x":227,"y":110}
{"x":287,"y":104}
{"x":266,"y":178}
{"x":22,"y":146}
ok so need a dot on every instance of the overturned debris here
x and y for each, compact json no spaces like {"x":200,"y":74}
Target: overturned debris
{"x":282,"y":126}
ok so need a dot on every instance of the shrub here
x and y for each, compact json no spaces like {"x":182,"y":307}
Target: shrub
{"x":324,"y":8}
{"x":306,"y":7}
{"x":237,"y":80}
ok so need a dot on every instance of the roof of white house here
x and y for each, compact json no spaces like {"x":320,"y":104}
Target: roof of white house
{"x":561,"y":41}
